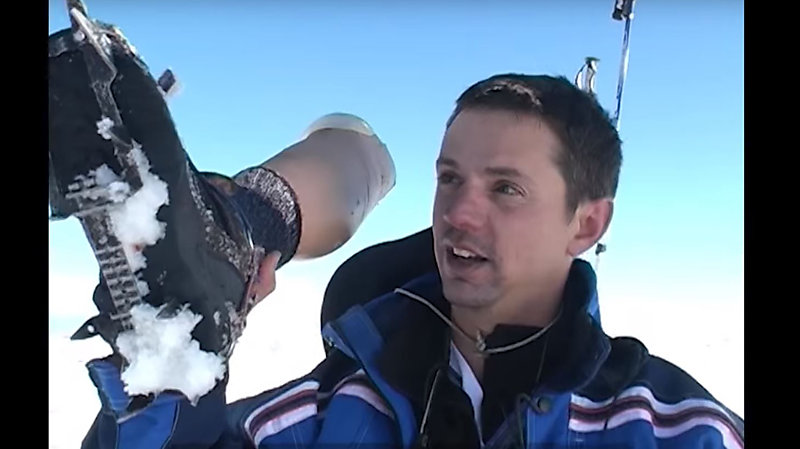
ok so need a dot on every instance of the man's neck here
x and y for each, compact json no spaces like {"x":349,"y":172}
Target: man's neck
{"x":537,"y":310}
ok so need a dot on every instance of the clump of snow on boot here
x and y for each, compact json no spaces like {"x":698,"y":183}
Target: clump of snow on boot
{"x":143,"y":288}
{"x":104,"y":127}
{"x":163,"y":356}
{"x":118,"y":190}
{"x":134,"y":221}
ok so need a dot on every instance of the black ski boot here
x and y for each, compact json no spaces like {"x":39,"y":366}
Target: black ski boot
{"x":115,"y":156}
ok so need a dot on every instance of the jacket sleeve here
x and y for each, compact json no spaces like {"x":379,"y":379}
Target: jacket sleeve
{"x":170,"y":421}
{"x":334,"y":404}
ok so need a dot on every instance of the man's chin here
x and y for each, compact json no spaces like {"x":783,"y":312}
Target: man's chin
{"x":463,"y":294}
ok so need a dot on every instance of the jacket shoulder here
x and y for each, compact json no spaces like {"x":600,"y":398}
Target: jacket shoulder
{"x":654,"y":396}
{"x":302,"y":408}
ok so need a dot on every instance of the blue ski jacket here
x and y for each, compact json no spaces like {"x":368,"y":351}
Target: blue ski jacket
{"x":387,"y":385}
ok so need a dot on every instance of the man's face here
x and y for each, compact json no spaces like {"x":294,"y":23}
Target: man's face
{"x":501,"y":202}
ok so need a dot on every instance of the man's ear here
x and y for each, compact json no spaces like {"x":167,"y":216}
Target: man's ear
{"x":591,"y":221}
{"x":264,"y":283}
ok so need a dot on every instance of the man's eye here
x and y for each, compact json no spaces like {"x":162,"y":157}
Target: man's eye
{"x":447,"y":178}
{"x":508,"y":189}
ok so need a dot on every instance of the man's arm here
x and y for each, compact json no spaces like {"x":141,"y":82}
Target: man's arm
{"x":274,"y":206}
{"x":334,"y":404}
{"x":339,"y":171}
{"x":179,"y":257}
{"x":169,"y":421}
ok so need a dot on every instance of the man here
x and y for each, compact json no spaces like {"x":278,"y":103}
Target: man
{"x":526,"y":174}
{"x":497,"y":345}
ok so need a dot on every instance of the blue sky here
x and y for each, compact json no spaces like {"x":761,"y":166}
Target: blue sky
{"x":255,"y":74}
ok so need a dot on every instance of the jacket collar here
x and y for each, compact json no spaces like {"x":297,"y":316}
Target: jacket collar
{"x":577,"y":344}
